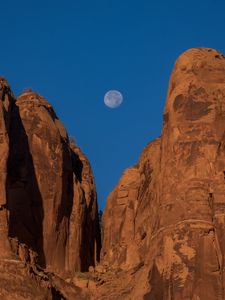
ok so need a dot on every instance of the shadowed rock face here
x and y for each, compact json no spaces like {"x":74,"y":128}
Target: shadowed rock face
{"x":48,"y":206}
{"x":85,"y":237}
{"x":6,"y":103}
{"x":168,"y":213}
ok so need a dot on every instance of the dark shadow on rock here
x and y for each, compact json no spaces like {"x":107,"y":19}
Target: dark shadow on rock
{"x":158,"y":286}
{"x":67,"y":185}
{"x":91,"y":234}
{"x":24,"y":200}
{"x":77,"y":165}
{"x":56,"y":295}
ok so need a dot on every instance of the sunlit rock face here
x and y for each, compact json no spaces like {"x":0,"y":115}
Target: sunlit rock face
{"x":51,"y":194}
{"x":167,"y":214}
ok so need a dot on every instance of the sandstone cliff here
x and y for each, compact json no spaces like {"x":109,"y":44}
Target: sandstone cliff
{"x":166,"y":215}
{"x":48,"y":205}
{"x":6,"y":103}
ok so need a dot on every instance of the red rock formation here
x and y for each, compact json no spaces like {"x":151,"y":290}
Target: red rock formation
{"x":6,"y":102}
{"x":50,"y":198}
{"x":163,"y":226}
{"x":84,"y":234}
{"x":125,"y":232}
{"x":48,"y":205}
{"x":168,"y":213}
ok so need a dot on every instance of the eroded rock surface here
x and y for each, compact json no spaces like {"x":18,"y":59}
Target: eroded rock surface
{"x":85,"y":237}
{"x":48,"y":204}
{"x":49,"y":192}
{"x":6,"y":103}
{"x":174,"y":221}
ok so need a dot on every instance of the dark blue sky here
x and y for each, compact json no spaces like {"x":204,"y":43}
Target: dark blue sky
{"x":73,"y":51}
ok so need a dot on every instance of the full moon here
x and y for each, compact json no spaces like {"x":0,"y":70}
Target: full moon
{"x":113,"y":99}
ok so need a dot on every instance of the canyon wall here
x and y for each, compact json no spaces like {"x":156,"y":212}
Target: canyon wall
{"x":166,"y":215}
{"x":48,"y":203}
{"x":163,"y":225}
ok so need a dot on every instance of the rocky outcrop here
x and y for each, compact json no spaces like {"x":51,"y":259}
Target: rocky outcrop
{"x":48,"y":203}
{"x":47,"y":190}
{"x":166,"y":215}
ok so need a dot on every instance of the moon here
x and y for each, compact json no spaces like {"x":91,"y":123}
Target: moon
{"x":113,"y":99}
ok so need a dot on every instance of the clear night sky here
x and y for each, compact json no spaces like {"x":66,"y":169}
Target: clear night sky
{"x":73,"y":51}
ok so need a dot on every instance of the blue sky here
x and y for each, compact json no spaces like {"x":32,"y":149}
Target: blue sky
{"x":74,"y":51}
